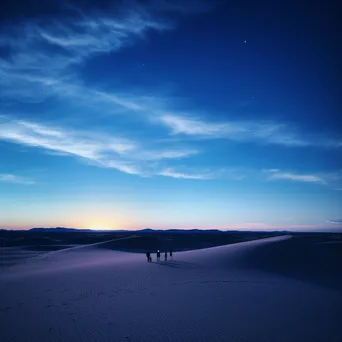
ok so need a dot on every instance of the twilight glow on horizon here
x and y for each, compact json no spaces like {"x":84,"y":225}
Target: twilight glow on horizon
{"x":170,"y":114}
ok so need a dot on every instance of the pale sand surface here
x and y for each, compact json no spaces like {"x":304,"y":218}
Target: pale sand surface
{"x":228,"y":293}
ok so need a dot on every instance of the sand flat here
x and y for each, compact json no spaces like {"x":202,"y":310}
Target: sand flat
{"x":94,"y":294}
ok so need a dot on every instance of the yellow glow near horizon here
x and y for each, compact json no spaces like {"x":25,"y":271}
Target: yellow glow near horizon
{"x":105,"y":224}
{"x":101,"y":226}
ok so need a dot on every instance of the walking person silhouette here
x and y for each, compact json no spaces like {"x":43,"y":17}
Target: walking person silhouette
{"x":158,"y":255}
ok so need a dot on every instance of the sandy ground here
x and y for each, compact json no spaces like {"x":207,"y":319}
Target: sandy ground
{"x":216,"y":294}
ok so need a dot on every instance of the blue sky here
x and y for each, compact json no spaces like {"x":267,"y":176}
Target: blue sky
{"x":170,"y":114}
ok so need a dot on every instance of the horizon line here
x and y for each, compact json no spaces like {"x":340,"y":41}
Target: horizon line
{"x":266,"y":230}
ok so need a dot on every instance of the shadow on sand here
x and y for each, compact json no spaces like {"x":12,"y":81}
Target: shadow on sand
{"x":176,"y":264}
{"x":166,"y":263}
{"x":301,"y":260}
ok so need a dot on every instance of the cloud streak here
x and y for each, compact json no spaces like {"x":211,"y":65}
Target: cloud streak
{"x":79,"y":144}
{"x":275,"y":174}
{"x":335,"y":221}
{"x":130,"y":156}
{"x":169,"y":172}
{"x":9,"y":178}
{"x":240,"y":131}
{"x":46,"y":54}
{"x":102,"y":150}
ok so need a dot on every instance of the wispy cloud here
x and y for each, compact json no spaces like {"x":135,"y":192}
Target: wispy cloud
{"x":46,"y":54}
{"x":9,"y":178}
{"x":102,"y":150}
{"x":166,"y":154}
{"x":45,"y":60}
{"x":241,"y":131}
{"x":65,"y":44}
{"x":77,"y":143}
{"x":191,"y":126}
{"x":307,"y":178}
{"x":131,"y":156}
{"x":174,"y":174}
{"x":335,"y":221}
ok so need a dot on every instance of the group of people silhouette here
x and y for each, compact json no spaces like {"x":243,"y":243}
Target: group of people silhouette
{"x":149,"y":257}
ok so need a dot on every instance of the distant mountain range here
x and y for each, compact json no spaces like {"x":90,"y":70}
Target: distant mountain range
{"x":149,"y":230}
{"x":59,"y":229}
{"x":146,"y":230}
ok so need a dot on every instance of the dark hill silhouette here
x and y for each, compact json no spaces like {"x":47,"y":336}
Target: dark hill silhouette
{"x":59,"y":229}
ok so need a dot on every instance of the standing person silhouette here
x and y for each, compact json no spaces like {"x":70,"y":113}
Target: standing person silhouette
{"x":148,"y":256}
{"x":165,"y":256}
{"x":158,"y":255}
{"x":171,"y":256}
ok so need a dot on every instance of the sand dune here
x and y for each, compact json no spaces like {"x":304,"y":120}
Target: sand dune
{"x":244,"y":292}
